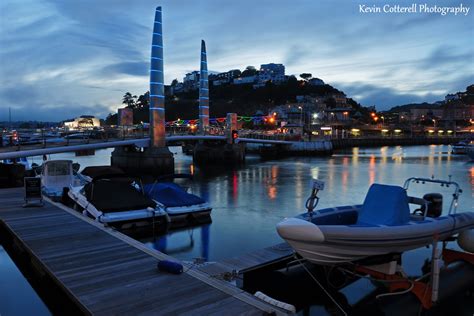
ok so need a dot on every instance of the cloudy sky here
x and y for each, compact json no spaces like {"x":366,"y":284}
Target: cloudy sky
{"x":63,"y":58}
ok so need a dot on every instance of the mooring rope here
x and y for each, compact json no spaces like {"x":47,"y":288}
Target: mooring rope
{"x":322,"y":287}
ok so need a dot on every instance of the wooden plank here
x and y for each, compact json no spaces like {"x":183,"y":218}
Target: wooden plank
{"x":106,"y":274}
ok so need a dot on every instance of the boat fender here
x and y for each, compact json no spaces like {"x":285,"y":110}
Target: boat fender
{"x":466,"y":240}
{"x":274,"y":302}
{"x":170,"y":267}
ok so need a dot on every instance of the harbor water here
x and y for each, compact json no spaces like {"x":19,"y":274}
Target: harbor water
{"x":250,"y":200}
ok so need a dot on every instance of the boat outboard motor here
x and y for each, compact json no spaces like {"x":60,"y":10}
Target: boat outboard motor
{"x":435,"y":204}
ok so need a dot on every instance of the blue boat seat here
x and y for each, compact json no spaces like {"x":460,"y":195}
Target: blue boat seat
{"x":385,"y":205}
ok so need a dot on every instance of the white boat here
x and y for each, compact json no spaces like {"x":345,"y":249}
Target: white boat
{"x":460,"y":148}
{"x":118,"y":201}
{"x":56,"y":175}
{"x":383,"y":224}
{"x":177,"y":202}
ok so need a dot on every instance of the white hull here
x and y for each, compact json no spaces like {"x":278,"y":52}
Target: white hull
{"x":141,"y":217}
{"x":332,"y":244}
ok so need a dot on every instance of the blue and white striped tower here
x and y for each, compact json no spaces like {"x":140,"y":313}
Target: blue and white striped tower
{"x":203,"y":93}
{"x":157,"y":88}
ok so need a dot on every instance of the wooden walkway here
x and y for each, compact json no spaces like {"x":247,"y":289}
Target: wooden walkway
{"x":251,"y":261}
{"x":105,"y":272}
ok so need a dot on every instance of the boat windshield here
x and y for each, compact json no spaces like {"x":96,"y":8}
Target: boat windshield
{"x":58,"y":168}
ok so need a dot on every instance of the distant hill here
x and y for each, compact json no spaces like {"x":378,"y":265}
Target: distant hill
{"x":408,"y":107}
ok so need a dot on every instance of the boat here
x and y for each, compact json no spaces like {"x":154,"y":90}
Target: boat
{"x":460,"y":148}
{"x":118,"y":200}
{"x":177,"y":202}
{"x":58,"y":175}
{"x":382,"y":225}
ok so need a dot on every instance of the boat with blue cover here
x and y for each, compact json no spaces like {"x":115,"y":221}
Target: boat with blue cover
{"x":177,"y":202}
{"x":383,"y":224}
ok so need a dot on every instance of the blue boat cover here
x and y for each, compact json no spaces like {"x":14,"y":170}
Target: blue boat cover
{"x":385,"y":205}
{"x":171,"y":195}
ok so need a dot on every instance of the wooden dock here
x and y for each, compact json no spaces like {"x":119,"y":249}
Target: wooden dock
{"x":255,"y":260}
{"x":103,"y":271}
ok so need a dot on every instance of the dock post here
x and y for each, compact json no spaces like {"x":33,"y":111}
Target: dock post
{"x":230,"y":152}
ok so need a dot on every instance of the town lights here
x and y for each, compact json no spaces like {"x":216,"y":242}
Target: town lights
{"x":271,"y":120}
{"x":315,"y":115}
{"x":235,"y":135}
{"x":398,"y":131}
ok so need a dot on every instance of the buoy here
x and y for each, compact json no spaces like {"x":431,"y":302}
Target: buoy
{"x":466,"y":240}
{"x":170,"y":267}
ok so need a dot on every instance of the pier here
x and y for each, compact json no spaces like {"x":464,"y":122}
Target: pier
{"x":100,"y":271}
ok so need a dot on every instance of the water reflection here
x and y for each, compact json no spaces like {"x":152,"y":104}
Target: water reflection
{"x":177,"y":243}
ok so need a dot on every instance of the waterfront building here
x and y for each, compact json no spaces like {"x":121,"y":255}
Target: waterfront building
{"x":82,"y":122}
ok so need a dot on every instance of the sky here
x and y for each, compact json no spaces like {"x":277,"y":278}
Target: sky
{"x":64,"y":58}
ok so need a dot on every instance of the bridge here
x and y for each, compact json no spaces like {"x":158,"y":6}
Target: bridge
{"x":83,"y":145}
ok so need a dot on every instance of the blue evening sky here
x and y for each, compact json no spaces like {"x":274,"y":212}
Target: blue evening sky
{"x":63,"y":58}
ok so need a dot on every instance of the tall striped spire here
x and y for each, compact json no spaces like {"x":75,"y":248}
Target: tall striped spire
{"x":157,"y":88}
{"x":203,"y":92}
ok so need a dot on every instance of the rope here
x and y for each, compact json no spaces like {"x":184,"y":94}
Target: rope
{"x":321,"y":286}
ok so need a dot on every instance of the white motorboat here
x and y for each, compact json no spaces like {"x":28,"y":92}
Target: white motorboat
{"x":118,"y":201}
{"x":56,"y":175}
{"x":383,"y":224}
{"x":460,"y":148}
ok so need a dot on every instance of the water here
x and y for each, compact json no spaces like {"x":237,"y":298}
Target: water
{"x":16,"y":295}
{"x":249,"y":201}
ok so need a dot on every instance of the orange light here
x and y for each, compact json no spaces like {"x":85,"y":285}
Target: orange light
{"x":274,"y":113}
{"x":376,"y":118}
{"x":372,"y":114}
{"x":272,"y":120}
{"x":345,"y":113}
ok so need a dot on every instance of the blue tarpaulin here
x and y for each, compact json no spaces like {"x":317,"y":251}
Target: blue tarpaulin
{"x":171,"y":195}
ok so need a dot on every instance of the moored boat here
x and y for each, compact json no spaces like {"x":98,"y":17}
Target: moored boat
{"x":460,"y":148}
{"x":56,"y":175}
{"x":119,"y":201}
{"x":383,"y":224}
{"x":177,"y":202}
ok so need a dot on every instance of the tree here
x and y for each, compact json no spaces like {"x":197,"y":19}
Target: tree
{"x":306,"y":76}
{"x":143,"y":100}
{"x":174,"y":82}
{"x":129,"y":100}
{"x":249,"y":71}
